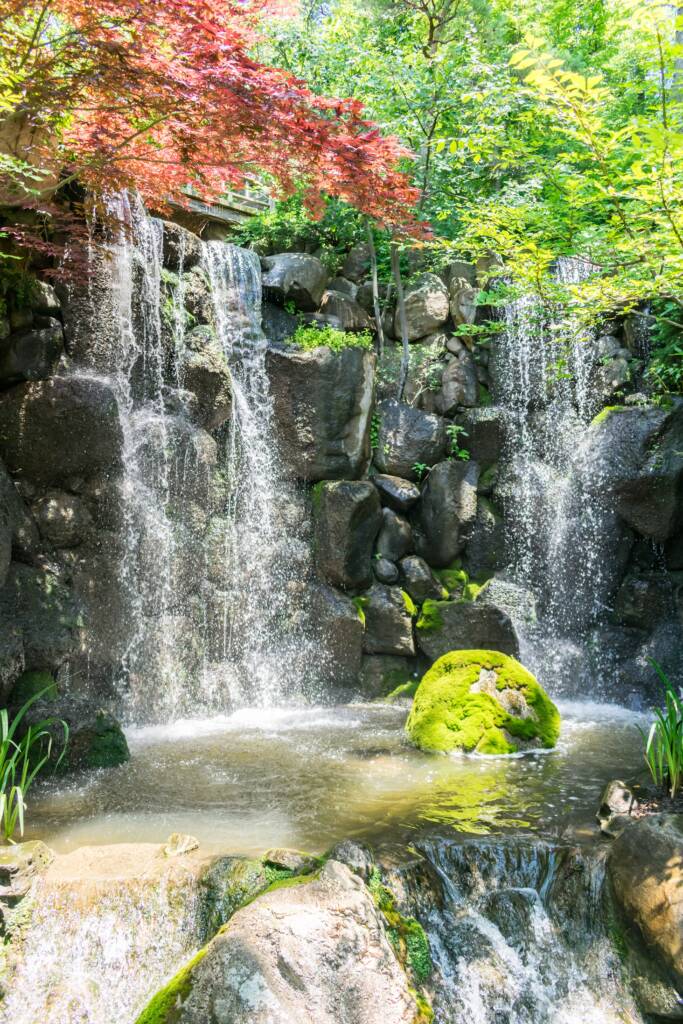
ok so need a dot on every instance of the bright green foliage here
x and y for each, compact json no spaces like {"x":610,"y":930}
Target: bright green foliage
{"x":309,"y":338}
{"x":161,"y":1010}
{"x":605,"y":413}
{"x":430,"y":616}
{"x":446,"y":714}
{"x":21,"y":760}
{"x":664,"y":741}
{"x":411,"y":607}
{"x":360,"y":602}
{"x":405,"y":933}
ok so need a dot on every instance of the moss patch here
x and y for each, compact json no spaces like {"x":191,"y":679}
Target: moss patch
{"x":605,"y":413}
{"x":430,"y":616}
{"x":446,"y":714}
{"x":411,"y":607}
{"x":406,"y":689}
{"x":31,"y":684}
{"x":166,"y":1005}
{"x":406,"y":935}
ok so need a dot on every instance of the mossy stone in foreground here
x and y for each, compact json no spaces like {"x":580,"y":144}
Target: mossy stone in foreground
{"x":481,"y":701}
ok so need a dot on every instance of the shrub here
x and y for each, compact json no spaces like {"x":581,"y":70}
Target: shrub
{"x":664,"y":741}
{"x":310,"y":337}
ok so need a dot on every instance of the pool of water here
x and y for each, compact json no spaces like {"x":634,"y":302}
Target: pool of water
{"x":307,"y":777}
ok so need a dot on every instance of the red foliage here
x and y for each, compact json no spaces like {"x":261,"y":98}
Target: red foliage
{"x":163,"y":93}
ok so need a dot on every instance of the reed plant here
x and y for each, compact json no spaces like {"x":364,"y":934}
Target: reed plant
{"x":23,"y":754}
{"x":664,"y":741}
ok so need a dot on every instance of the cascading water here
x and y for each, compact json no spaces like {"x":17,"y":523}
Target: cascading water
{"x":564,"y":541}
{"x":265,"y":650}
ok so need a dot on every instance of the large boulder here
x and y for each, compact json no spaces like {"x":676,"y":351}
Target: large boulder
{"x":338,"y":635}
{"x":322,"y":403}
{"x":95,"y":739}
{"x":462,"y":300}
{"x":447,"y":511}
{"x":357,"y":262}
{"x":388,"y":622}
{"x":645,"y":868}
{"x":486,"y":550}
{"x":459,"y":385}
{"x":483,"y":701}
{"x":59,"y":428}
{"x":312,"y":953}
{"x":406,"y":438}
{"x":31,"y":355}
{"x":426,"y":304}
{"x":637,"y":464}
{"x":182,"y":249}
{"x":445,"y":626}
{"x":345,"y":309}
{"x":295,"y":277}
{"x":347,"y":516}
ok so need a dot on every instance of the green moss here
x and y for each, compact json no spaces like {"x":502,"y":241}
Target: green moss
{"x":166,"y":1004}
{"x":316,"y":494}
{"x":411,"y":607}
{"x":274,"y":874}
{"x":484,"y":396}
{"x":430,"y":616}
{"x":605,"y":413}
{"x":447,"y":716}
{"x":406,"y":935}
{"x":109,"y":747}
{"x":406,"y":689}
{"x":30,"y":684}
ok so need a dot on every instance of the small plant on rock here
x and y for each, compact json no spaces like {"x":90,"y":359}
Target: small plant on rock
{"x":455,"y":432}
{"x":420,"y":469}
{"x":664,"y":741}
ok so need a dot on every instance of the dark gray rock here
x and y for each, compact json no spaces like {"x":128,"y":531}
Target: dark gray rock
{"x":12,"y":660}
{"x":418,"y":580}
{"x":181,"y":458}
{"x":339,"y":636}
{"x":182,"y":248}
{"x":385,"y":571}
{"x":426,"y":306}
{"x":644,"y":600}
{"x":396,"y":493}
{"x":395,"y":537}
{"x":407,"y":437}
{"x":278,"y":325}
{"x":95,"y":738}
{"x":486,"y":549}
{"x":638,"y":465}
{"x":459,"y":385}
{"x":60,"y":428}
{"x":665,"y":646}
{"x":322,"y":403}
{"x":207,"y":375}
{"x":346,"y":310}
{"x":62,"y":519}
{"x":447,"y":511}
{"x":18,"y":533}
{"x":343,"y":285}
{"x":32,"y":355}
{"x":451,"y":626}
{"x":197,"y":295}
{"x":486,"y":430}
{"x":45,"y":614}
{"x":381,"y":674}
{"x":388,"y":623}
{"x":347,"y":519}
{"x":364,"y":299}
{"x":357,"y":262}
{"x":295,"y":277}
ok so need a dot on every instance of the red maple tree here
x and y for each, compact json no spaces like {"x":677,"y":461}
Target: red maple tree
{"x":159,"y":94}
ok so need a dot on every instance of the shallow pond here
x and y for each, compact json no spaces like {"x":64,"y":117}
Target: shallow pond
{"x":307,"y":777}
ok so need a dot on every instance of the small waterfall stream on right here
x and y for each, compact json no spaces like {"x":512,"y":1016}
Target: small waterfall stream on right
{"x":564,"y":544}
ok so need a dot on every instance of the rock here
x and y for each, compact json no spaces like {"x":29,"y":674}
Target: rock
{"x":63,"y":519}
{"x":462,"y":299}
{"x":617,"y":800}
{"x":638,"y":466}
{"x":339,"y":636}
{"x":31,"y":355}
{"x":346,"y":310}
{"x":426,"y":303}
{"x":357,"y":262}
{"x":278,"y":325}
{"x":382,"y":674}
{"x":645,"y":868}
{"x":486,"y":550}
{"x":293,"y":955}
{"x":177,"y":845}
{"x":295,"y":277}
{"x":395,"y":538}
{"x":60,"y":428}
{"x":95,"y":738}
{"x":407,"y":437}
{"x":459,"y":385}
{"x":20,"y":865}
{"x":182,"y":248}
{"x":388,"y":622}
{"x":418,"y":580}
{"x":396,"y":493}
{"x":513,"y":599}
{"x":44,"y":299}
{"x":322,"y":404}
{"x":186,"y":477}
{"x":385,"y":571}
{"x":343,"y":285}
{"x":665,"y":646}
{"x":198,"y":296}
{"x":31,"y":684}
{"x":291,"y":860}
{"x":461,"y":271}
{"x":483,"y":701}
{"x":347,"y":519}
{"x":644,"y":600}
{"x":207,"y":375}
{"x":485,"y":434}
{"x":38,"y":608}
{"x":445,"y":626}
{"x":447,"y":511}
{"x":364,"y":298}
{"x":355,"y":856}
{"x":17,"y":530}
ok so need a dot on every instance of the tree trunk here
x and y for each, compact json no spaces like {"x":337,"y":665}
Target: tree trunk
{"x":375,"y":289}
{"x":405,"y":357}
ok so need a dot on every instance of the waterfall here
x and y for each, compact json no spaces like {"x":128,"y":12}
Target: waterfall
{"x":563,"y":540}
{"x":518,"y":933}
{"x":266,"y":653}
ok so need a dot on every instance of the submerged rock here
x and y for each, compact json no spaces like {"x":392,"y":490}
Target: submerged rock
{"x":447,"y":626}
{"x":482,"y":701}
{"x":294,"y":954}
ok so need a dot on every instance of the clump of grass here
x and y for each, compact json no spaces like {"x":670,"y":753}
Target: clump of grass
{"x":664,"y":741}
{"x":308,"y":338}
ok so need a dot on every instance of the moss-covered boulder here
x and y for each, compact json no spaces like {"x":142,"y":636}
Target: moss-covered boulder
{"x":481,"y":701}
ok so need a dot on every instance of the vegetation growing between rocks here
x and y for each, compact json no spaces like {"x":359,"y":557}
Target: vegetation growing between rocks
{"x":664,"y":741}
{"x":309,"y":338}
